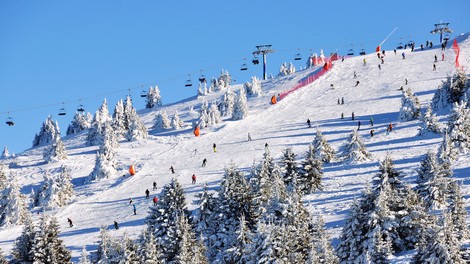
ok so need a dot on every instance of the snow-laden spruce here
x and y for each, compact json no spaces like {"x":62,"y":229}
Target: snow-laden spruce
{"x":410,"y":106}
{"x":176,"y":122}
{"x":453,"y":90}
{"x":153,"y":97}
{"x":459,"y":127}
{"x":13,"y":207}
{"x":253,"y":89}
{"x":161,"y":121}
{"x":55,"y":152}
{"x":22,"y":249}
{"x":49,"y":133}
{"x":228,"y":102}
{"x":240,"y":107}
{"x":5,"y":153}
{"x":354,"y":149}
{"x":100,"y":120}
{"x":56,"y":191}
{"x":105,"y":164}
{"x":118,"y":122}
{"x":322,"y":150}
{"x":136,"y":129}
{"x":285,"y":69}
{"x":224,"y":79}
{"x":202,"y":89}
{"x":430,"y":123}
{"x":81,"y":121}
{"x":311,"y":172}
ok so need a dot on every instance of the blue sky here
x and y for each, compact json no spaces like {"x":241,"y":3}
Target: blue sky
{"x":60,"y":51}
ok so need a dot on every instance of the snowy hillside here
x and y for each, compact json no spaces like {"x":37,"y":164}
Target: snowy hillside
{"x":281,"y":126}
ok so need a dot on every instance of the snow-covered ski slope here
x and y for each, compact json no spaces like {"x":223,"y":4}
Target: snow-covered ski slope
{"x":281,"y":125}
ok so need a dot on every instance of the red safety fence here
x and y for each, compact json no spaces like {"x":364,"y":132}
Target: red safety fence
{"x":313,"y":76}
{"x":456,"y":48}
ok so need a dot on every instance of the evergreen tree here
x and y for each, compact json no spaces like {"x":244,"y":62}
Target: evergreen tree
{"x":153,"y":98}
{"x":162,"y":219}
{"x":322,"y":149}
{"x":98,"y":124}
{"x":80,"y":122}
{"x":119,"y":118}
{"x":188,"y":247}
{"x":236,"y":253}
{"x":56,"y":191}
{"x":451,"y":91}
{"x":459,"y":127}
{"x":323,"y":251}
{"x":253,"y":89}
{"x":240,"y":107}
{"x":290,"y":169}
{"x":3,"y":260}
{"x":410,"y":106}
{"x":55,"y":152}
{"x":105,"y":165}
{"x":5,"y":153}
{"x":104,"y":245}
{"x":47,"y":247}
{"x":176,"y":122}
{"x":161,"y":122}
{"x":84,"y":257}
{"x":22,"y":250}
{"x":311,"y":172}
{"x":432,"y":185}
{"x":202,"y":89}
{"x":4,"y":177}
{"x":203,"y":215}
{"x":354,"y":149}
{"x":228,"y":103}
{"x":458,"y":213}
{"x":13,"y":209}
{"x":213,"y":115}
{"x":149,"y":251}
{"x":430,"y":123}
{"x":446,"y":152}
{"x":224,"y":79}
{"x":49,"y":133}
{"x":136,"y":129}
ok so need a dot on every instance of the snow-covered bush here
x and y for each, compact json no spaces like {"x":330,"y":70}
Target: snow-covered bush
{"x":285,"y":69}
{"x":161,"y":121}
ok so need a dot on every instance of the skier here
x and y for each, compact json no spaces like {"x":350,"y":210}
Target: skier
{"x":403,"y":55}
{"x":371,"y":121}
{"x":358,"y":124}
{"x":249,"y":137}
{"x":147,"y":194}
{"x":116,"y":226}
{"x":406,"y":81}
{"x":308,"y":123}
{"x":194,"y":152}
{"x":395,"y":51}
{"x":357,"y":83}
{"x":70,"y":222}
{"x":342,"y":100}
{"x":427,"y":43}
{"x":352,"y":116}
{"x":155,"y":200}
{"x":434,"y":67}
{"x":422,"y":48}
{"x":380,"y":68}
{"x":383,"y":53}
{"x":266,"y":146}
{"x":193,"y":179}
{"x":172,"y":169}
{"x":412,"y":47}
{"x":442,"y":56}
{"x":154,"y":186}
{"x":378,"y":55}
{"x":435,"y":58}
{"x":338,"y":101}
{"x":130,"y":200}
{"x":390,"y":127}
{"x":382,"y":60}
{"x":364,"y":61}
{"x":135,"y":209}
{"x":430,"y":44}
{"x":342,"y":115}
{"x":204,"y":161}
{"x":214,"y":147}
{"x":371,"y":133}
{"x":355,"y":75}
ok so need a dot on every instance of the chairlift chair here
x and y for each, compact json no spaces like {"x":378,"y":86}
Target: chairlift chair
{"x":298,"y":56}
{"x":350,"y":52}
{"x":143,"y":93}
{"x":202,"y":78}
{"x":255,"y":60}
{"x":9,"y":121}
{"x":80,"y":108}
{"x":400,"y":45}
{"x":188,"y":81}
{"x":244,"y":67}
{"x":362,"y":53}
{"x":62,"y":111}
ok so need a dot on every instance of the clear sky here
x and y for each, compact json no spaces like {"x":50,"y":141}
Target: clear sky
{"x":62,"y":50}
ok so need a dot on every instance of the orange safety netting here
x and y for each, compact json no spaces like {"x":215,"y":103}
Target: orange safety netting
{"x":456,"y":48}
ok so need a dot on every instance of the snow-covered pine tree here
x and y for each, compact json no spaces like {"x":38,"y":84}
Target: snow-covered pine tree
{"x":47,"y":247}
{"x":118,"y":122}
{"x":446,"y":152}
{"x":203,"y":215}
{"x":430,"y":123}
{"x":100,"y":120}
{"x":214,"y":86}
{"x":410,"y":106}
{"x":322,"y":149}
{"x":323,"y":251}
{"x":4,"y":177}
{"x":432,"y":185}
{"x":188,"y":246}
{"x":311,"y":172}
{"x":105,"y":165}
{"x":204,"y":120}
{"x":49,"y":133}
{"x":224,"y":79}
{"x":176,"y":122}
{"x":253,"y":89}
{"x":354,"y":149}
{"x":458,"y":213}
{"x":459,"y":127}
{"x":228,"y":103}
{"x":13,"y":207}
{"x":81,"y":121}
{"x":84,"y":257}
{"x":136,"y":129}
{"x":3,"y":260}
{"x":161,"y":121}
{"x":451,"y":91}
{"x":213,"y":115}
{"x":149,"y":251}
{"x":56,"y":191}
{"x":162,"y":219}
{"x":5,"y":153}
{"x":285,"y":69}
{"x":442,"y":246}
{"x":202,"y":89}
{"x":104,"y":245}
{"x":22,"y":250}
{"x":352,"y":234}
{"x":240,"y":247}
{"x":55,"y":152}
{"x":240,"y":107}
{"x":153,"y":97}
{"x":290,"y":169}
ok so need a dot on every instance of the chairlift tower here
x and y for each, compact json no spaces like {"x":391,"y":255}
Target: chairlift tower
{"x":263,"y":49}
{"x":441,"y":28}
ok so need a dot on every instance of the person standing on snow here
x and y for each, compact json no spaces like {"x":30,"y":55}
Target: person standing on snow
{"x":116,"y":225}
{"x":357,"y":83}
{"x":403,"y":55}
{"x":154,"y":186}
{"x":155,"y":200}
{"x":442,"y":56}
{"x":342,"y":115}
{"x":130,"y":200}
{"x":193,"y":178}
{"x":147,"y":194}
{"x":249,"y":137}
{"x":434,"y":67}
{"x":204,"y":161}
{"x":435,"y":58}
{"x":359,"y":125}
{"x":214,"y":147}
{"x":135,"y":209}
{"x":371,"y":121}
{"x":70,"y":222}
{"x":172,"y":169}
{"x":371,"y":133}
{"x":308,"y":122}
{"x":352,"y":116}
{"x":342,"y":100}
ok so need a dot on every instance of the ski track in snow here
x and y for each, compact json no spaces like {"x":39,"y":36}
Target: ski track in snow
{"x":282,"y":125}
